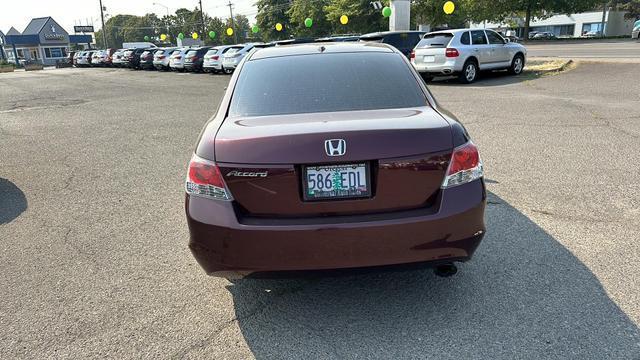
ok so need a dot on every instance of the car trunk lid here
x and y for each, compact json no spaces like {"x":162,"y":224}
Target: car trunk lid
{"x":263,"y":158}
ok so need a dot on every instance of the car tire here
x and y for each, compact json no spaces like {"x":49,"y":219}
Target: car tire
{"x":426,"y":77}
{"x":517,"y":65}
{"x":469,"y":72}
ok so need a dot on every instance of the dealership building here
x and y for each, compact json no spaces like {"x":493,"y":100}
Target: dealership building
{"x":43,"y":41}
{"x":573,"y":25}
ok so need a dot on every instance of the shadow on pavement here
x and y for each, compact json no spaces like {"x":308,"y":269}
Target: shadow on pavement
{"x":522,"y":296}
{"x":12,"y":201}
{"x":487,"y":78}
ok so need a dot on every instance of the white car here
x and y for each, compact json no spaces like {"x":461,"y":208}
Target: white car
{"x":466,"y":52}
{"x":118,"y":57}
{"x":161,"y":58}
{"x":83,"y":59}
{"x":213,"y":58}
{"x":176,"y":60}
{"x":635,"y":34}
{"x":233,"y":56}
{"x":97,"y":59}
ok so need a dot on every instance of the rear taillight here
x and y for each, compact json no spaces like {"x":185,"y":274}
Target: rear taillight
{"x":465,"y":166}
{"x":161,"y":57}
{"x":215,"y":57}
{"x":413,"y":54}
{"x":178,"y":57}
{"x":204,"y":179}
{"x":451,"y":52}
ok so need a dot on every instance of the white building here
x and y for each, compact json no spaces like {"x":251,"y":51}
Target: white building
{"x":574,"y":25}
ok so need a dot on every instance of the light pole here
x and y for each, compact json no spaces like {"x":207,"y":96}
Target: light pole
{"x":202,"y":18}
{"x":167,"y":8}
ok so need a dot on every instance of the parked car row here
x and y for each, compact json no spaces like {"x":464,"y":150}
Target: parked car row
{"x":461,"y":52}
{"x":210,"y":59}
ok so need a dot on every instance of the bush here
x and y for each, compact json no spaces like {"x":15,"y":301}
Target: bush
{"x":5,"y":63}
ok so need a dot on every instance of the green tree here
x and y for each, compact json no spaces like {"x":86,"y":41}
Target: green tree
{"x":431,"y":12}
{"x":363,"y":17}
{"x":313,"y":9}
{"x":271,"y":12}
{"x":632,"y":7}
{"x":243,"y":29}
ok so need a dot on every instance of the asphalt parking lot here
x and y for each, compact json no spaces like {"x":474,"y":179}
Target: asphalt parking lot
{"x":94,"y":259}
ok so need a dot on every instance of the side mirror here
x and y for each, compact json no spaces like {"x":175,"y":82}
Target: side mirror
{"x":507,"y":40}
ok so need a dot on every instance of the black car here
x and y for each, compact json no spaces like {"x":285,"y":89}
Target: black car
{"x":132,"y":57}
{"x":404,"y":41}
{"x":193,"y":58}
{"x":146,"y":59}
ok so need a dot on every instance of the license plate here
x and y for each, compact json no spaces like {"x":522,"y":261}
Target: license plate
{"x":429,"y":59}
{"x":336,"y":181}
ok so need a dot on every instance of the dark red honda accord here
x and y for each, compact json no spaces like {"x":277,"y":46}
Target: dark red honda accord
{"x":332,"y":156}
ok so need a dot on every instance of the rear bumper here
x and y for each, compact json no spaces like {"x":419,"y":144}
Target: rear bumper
{"x":446,"y":68}
{"x":225,"y":247}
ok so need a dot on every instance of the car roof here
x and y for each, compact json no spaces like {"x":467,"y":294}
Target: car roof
{"x":451,"y":31}
{"x":315,"y":48}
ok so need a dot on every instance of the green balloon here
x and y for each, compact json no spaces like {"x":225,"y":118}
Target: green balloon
{"x":146,"y":38}
{"x":181,"y":36}
{"x":212,"y":34}
{"x":255,"y":29}
{"x":308,"y":22}
{"x":386,"y":11}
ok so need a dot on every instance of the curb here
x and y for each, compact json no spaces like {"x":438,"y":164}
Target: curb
{"x":557,"y":69}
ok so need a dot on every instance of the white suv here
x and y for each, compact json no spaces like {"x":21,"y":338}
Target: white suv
{"x":465,"y":52}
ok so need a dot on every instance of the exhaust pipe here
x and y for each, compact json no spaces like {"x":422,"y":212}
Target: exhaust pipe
{"x":447,"y":71}
{"x":445,"y":270}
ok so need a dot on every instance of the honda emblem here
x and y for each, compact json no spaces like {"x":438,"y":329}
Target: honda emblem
{"x":335,"y":147}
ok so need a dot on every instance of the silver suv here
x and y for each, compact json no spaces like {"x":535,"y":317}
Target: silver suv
{"x":465,"y":52}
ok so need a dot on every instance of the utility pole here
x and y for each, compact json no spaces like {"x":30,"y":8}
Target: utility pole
{"x":604,"y":19}
{"x":233,"y":23}
{"x":201,"y":19}
{"x":104,"y":31}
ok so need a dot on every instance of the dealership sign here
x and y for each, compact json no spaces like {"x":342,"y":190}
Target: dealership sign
{"x":54,"y":36}
{"x":84,"y":29}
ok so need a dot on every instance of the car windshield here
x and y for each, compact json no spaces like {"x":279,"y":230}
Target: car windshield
{"x":325,"y":83}
{"x":231,"y":51}
{"x":191,"y":53}
{"x":212,"y":52}
{"x":435,"y":40}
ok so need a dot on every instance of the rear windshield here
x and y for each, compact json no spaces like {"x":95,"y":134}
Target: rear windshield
{"x":231,"y":50}
{"x":175,"y":52}
{"x":435,"y":40}
{"x":377,"y":39}
{"x":190,"y":53}
{"x":324,"y":83}
{"x":212,"y":52}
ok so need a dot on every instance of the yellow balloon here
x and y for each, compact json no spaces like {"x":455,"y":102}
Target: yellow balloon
{"x":344,"y":19}
{"x":163,"y":37}
{"x":279,"y":27}
{"x":194,"y":36}
{"x":449,"y":7}
{"x":229,"y":31}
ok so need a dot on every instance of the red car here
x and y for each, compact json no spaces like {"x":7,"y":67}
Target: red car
{"x":332,"y":156}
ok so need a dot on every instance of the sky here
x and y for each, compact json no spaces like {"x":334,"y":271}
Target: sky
{"x":68,"y":13}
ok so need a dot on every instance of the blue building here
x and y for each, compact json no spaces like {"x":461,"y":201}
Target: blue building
{"x":43,"y":41}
